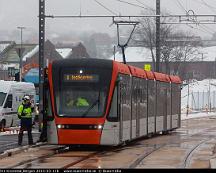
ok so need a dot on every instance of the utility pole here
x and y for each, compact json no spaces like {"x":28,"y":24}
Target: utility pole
{"x":188,"y":95}
{"x":41,"y":62}
{"x":157,"y":36}
{"x":20,"y":51}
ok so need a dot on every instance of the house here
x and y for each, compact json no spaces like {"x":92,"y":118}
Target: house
{"x":31,"y":59}
{"x":72,"y":50}
{"x":10,"y":57}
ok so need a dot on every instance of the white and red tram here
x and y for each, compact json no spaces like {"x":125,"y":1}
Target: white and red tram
{"x":124,"y":102}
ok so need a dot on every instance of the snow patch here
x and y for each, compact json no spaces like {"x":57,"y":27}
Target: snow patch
{"x":31,"y":53}
{"x":197,"y":115}
{"x":201,"y":96}
{"x":64,"y":52}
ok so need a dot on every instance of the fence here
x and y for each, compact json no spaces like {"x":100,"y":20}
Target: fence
{"x":202,"y":101}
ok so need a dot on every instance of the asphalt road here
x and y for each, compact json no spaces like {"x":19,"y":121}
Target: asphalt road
{"x":11,"y":141}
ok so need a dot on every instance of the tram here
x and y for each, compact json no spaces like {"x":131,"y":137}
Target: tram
{"x":104,"y":102}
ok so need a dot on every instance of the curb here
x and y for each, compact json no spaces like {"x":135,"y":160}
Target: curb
{"x":10,"y":152}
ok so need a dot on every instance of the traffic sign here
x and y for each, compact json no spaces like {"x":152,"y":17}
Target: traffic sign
{"x":147,"y":67}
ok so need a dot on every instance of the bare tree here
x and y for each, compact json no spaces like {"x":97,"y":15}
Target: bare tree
{"x":176,"y":46}
{"x":145,"y":33}
{"x":179,"y":48}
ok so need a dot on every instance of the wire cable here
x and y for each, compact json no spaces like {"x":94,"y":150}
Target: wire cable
{"x":106,"y":7}
{"x":181,"y":6}
{"x":150,"y":8}
{"x":135,"y":5}
{"x":207,"y":29}
{"x":209,"y":6}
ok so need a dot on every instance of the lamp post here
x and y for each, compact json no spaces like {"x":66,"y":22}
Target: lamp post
{"x":20,"y":51}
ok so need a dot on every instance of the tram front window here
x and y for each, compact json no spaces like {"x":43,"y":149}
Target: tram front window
{"x":81,"y":101}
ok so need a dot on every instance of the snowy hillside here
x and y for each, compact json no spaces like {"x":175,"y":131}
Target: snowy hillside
{"x":142,"y":54}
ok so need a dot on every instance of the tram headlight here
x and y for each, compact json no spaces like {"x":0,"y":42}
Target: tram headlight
{"x":60,"y":126}
{"x":100,"y":127}
{"x":97,"y":127}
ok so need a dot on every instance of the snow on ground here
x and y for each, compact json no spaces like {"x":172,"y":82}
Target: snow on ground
{"x":197,"y":115}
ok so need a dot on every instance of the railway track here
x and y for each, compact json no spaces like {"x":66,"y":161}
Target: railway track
{"x":81,"y":157}
{"x":189,"y":155}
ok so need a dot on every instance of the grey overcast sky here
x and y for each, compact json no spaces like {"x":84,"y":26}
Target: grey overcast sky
{"x":15,"y":13}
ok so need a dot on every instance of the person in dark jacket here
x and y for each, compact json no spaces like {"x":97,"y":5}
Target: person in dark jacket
{"x":25,"y":115}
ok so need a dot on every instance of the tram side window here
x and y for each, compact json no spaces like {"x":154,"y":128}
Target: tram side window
{"x":175,"y":99}
{"x":134,"y":97}
{"x":143,"y":99}
{"x":159,"y":109}
{"x":161,"y":95}
{"x":125,"y":97}
{"x":113,"y":114}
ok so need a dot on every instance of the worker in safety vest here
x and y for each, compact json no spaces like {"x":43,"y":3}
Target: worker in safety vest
{"x":81,"y":102}
{"x":25,"y":115}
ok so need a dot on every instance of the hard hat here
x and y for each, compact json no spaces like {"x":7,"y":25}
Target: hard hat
{"x":26,"y":97}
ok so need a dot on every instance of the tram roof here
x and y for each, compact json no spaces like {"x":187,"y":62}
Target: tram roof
{"x":175,"y":79}
{"x":161,"y":77}
{"x":122,"y":68}
{"x":138,"y":72}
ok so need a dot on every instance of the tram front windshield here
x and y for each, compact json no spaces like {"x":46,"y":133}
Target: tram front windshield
{"x":82,"y":95}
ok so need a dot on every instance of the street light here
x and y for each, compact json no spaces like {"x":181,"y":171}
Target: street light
{"x":20,"y":51}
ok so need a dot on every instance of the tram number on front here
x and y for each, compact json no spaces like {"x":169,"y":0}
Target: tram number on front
{"x":81,"y":78}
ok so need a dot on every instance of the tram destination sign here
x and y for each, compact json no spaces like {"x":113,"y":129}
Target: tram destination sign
{"x":81,"y":78}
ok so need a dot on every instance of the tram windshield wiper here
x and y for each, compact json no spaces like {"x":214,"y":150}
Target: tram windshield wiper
{"x":91,"y":107}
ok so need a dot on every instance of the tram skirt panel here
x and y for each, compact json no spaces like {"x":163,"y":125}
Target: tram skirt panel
{"x":175,"y":121}
{"x":110,"y":133}
{"x":169,"y":125}
{"x":134,"y":129}
{"x":126,"y":130}
{"x":159,"y":123}
{"x":52,"y":135}
{"x":151,"y":125}
{"x":143,"y":127}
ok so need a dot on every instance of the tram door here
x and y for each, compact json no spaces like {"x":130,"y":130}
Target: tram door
{"x":135,"y":108}
{"x":124,"y":107}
